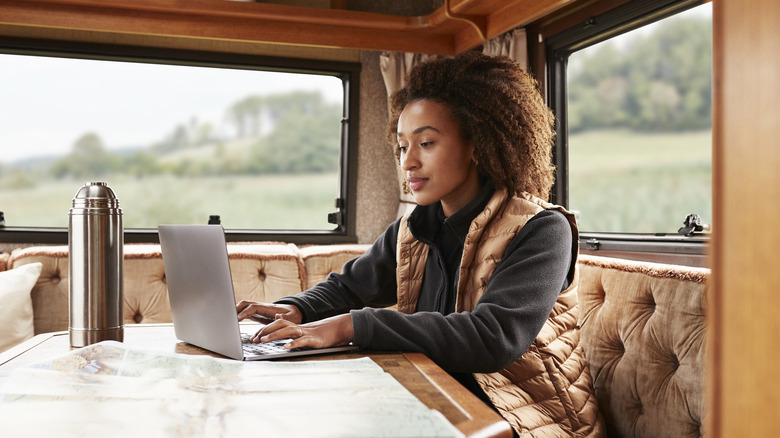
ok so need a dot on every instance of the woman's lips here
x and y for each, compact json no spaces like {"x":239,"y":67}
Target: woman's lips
{"x":417,"y":183}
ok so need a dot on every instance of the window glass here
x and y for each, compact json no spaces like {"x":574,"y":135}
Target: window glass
{"x":177,"y":143}
{"x":639,"y":127}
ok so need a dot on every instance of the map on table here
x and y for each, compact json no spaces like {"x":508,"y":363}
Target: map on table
{"x":108,"y":388}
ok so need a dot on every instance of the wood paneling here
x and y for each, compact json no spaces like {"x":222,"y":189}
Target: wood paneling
{"x":742,"y":389}
{"x":455,"y":27}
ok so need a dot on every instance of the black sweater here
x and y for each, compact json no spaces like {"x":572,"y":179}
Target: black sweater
{"x":537,"y":265}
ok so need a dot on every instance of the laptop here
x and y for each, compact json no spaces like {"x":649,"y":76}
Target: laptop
{"x":203,"y":304}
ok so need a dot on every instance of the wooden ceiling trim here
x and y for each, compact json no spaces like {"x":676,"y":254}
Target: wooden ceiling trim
{"x":455,"y":27}
{"x":501,"y":16}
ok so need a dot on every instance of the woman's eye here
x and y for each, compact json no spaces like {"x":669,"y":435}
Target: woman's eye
{"x":401,"y":148}
{"x":426,"y":143}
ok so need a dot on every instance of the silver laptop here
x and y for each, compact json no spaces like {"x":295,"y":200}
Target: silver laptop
{"x":203,"y":304}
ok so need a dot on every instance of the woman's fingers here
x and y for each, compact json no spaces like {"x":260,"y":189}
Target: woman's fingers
{"x":278,"y":329}
{"x":329,"y":332}
{"x":266,"y":313}
{"x":250,"y":309}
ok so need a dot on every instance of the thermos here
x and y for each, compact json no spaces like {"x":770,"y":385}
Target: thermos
{"x":95,"y":245}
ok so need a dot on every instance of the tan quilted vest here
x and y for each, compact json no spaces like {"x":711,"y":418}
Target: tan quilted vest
{"x":547,"y":392}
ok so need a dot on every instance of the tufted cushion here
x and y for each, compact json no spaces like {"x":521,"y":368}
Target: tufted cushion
{"x":321,"y":260}
{"x":643,"y":330}
{"x":260,"y":272}
{"x":145,"y":291}
{"x":266,"y":272}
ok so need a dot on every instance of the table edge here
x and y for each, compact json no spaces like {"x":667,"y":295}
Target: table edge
{"x":479,"y":414}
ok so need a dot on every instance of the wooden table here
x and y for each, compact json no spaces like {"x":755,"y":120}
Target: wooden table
{"x":423,"y":378}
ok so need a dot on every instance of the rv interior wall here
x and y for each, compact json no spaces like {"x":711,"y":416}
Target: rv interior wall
{"x":742,"y":314}
{"x":377,"y":187}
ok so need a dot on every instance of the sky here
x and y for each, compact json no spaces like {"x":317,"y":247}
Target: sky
{"x":46,"y":103}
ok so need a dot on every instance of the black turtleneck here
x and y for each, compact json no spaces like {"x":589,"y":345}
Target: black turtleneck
{"x":438,"y":294}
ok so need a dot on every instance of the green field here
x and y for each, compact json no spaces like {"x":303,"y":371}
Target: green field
{"x":254,"y":202}
{"x":621,"y":181}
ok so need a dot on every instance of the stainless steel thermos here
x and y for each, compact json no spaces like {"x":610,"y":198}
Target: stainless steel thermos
{"x":95,"y":245}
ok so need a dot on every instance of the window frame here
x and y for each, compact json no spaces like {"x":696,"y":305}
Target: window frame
{"x":558,"y":47}
{"x":349,"y":72}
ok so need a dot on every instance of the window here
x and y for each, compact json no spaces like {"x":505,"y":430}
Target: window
{"x":179,"y":136}
{"x":632,"y":92}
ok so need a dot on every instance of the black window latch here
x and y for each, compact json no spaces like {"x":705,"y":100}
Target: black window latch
{"x":692,"y":224}
{"x":337,"y":218}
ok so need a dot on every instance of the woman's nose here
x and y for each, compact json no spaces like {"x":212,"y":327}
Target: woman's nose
{"x":409,"y":159}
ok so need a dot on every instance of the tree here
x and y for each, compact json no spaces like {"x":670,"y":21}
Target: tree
{"x":249,"y":114}
{"x":290,"y":149}
{"x":141,"y":163}
{"x":662,"y":81}
{"x":246,"y":115}
{"x":87,"y":158}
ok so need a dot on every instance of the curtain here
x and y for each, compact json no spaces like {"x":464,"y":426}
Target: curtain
{"x":511,"y":44}
{"x":396,"y":65}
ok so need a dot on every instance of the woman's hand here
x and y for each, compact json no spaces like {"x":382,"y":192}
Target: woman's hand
{"x":267,"y":313}
{"x":329,"y":332}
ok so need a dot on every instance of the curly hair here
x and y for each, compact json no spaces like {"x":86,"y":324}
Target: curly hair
{"x":498,"y":109}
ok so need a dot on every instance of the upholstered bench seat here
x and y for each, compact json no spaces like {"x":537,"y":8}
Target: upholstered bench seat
{"x":261,"y":272}
{"x":321,"y":260}
{"x":643,"y":329}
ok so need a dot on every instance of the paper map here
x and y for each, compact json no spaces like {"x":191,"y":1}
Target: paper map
{"x":108,"y":389}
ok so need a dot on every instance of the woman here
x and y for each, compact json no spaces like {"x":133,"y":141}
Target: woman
{"x":477,"y":267}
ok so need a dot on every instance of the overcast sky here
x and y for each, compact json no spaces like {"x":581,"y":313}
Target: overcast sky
{"x":46,"y":104}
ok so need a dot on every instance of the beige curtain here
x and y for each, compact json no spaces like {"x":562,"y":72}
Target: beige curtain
{"x":396,"y":65}
{"x":511,"y":44}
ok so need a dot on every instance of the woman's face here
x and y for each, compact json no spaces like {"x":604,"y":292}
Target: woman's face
{"x":436,"y":162}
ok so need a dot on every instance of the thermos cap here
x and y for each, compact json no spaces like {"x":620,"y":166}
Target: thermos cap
{"x":96,"y":194}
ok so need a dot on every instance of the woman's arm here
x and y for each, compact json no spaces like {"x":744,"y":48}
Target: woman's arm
{"x":319,"y":317}
{"x":367,"y":280}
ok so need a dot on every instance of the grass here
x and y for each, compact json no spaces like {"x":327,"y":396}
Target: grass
{"x":258,"y":202}
{"x":621,"y":181}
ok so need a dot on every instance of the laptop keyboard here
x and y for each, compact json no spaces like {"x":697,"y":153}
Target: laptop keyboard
{"x":272,"y":347}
